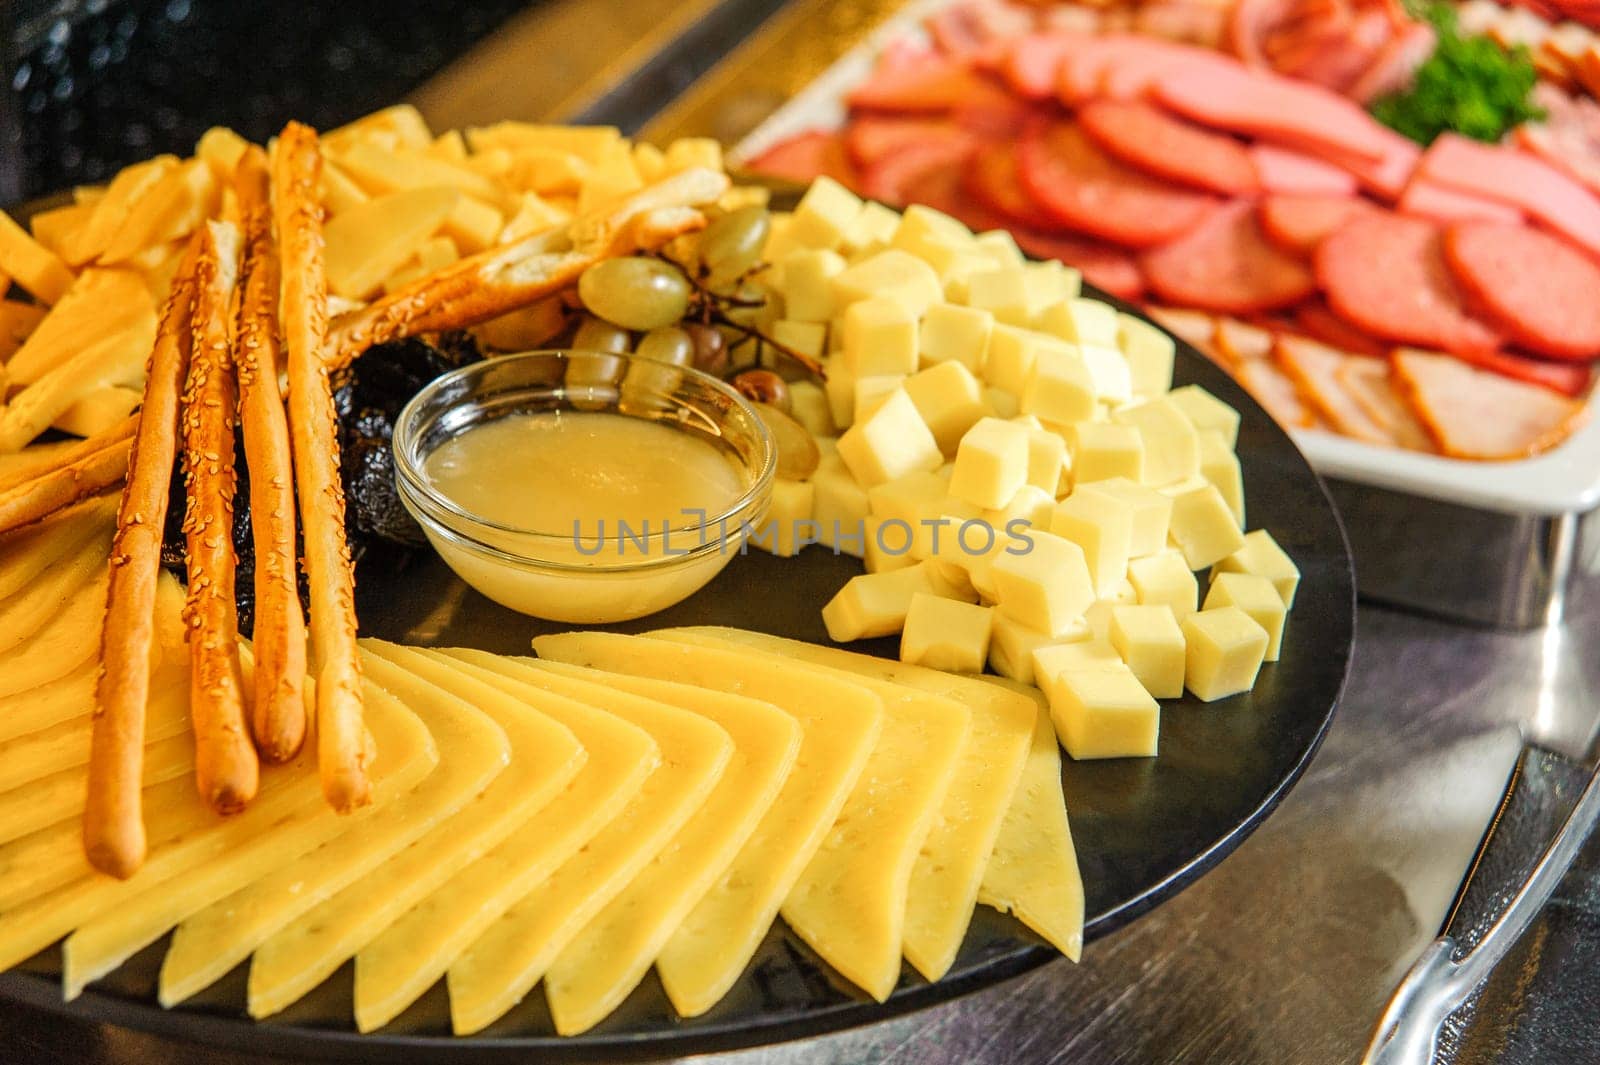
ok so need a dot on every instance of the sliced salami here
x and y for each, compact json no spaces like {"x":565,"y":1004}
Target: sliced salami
{"x":871,"y":138}
{"x":891,"y":179}
{"x":1475,"y":414}
{"x":1227,"y":265}
{"x":1386,"y":274}
{"x":1318,"y":322}
{"x":1539,"y":290}
{"x":1151,"y":140}
{"x":1298,"y":224}
{"x":1032,"y":66}
{"x":1085,"y":190}
{"x":992,"y":180}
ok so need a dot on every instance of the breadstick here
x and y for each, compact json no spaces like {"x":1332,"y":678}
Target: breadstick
{"x":342,"y":755}
{"x":500,"y":280}
{"x":278,"y":717}
{"x":226,"y":769}
{"x":81,"y":471}
{"x":113,"y":822}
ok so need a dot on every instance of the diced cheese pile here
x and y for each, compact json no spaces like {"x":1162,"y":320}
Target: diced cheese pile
{"x":1009,"y":458}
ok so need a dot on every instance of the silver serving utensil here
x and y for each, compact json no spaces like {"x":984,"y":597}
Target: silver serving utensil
{"x":1438,"y":982}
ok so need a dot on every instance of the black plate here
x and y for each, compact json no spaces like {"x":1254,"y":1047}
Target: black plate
{"x":1145,"y":828}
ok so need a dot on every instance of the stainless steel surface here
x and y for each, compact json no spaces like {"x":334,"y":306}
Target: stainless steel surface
{"x":1442,"y":979}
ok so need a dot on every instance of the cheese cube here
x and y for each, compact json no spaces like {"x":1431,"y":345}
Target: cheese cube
{"x":891,"y":443}
{"x":840,"y":388}
{"x":1257,"y":597}
{"x":1103,"y":526}
{"x":1103,"y":714}
{"x":1081,"y":321}
{"x":991,"y":463}
{"x":1206,"y":411}
{"x":838,"y":506}
{"x":886,"y":549}
{"x":951,"y":333}
{"x":1103,"y":450}
{"x":1171,"y":445}
{"x":808,"y":283}
{"x":1151,"y":643}
{"x":1084,"y":654}
{"x":890,"y":274}
{"x":1012,"y":644}
{"x":871,"y":230}
{"x":1151,"y":513}
{"x":1010,"y":356}
{"x":872,"y":392}
{"x":807,"y":338}
{"x":1262,"y":556}
{"x":879,"y":337}
{"x":1047,"y":588}
{"x":1031,"y":504}
{"x":1048,"y":284}
{"x":907,"y":498}
{"x":686,"y":152}
{"x":1225,"y":650}
{"x":875,"y":604}
{"x":824,"y":215}
{"x":932,"y":236}
{"x":1220,"y":466}
{"x":779,"y":242}
{"x":1164,"y":579}
{"x":1047,"y":459}
{"x":944,"y":634}
{"x":1113,"y":385}
{"x":1001,"y":404}
{"x":1058,"y":387}
{"x":809,"y":405}
{"x":1002,"y":292}
{"x":1203,"y":527}
{"x":1149,"y":354}
{"x":789,"y":525}
{"x":999,"y":247}
{"x":949,"y":399}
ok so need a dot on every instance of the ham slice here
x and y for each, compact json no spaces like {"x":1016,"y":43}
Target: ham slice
{"x":1517,"y":178}
{"x":1318,"y":322}
{"x":1370,"y":383}
{"x":1385,"y":177}
{"x":1260,"y":104}
{"x":1386,"y":275}
{"x":1249,"y":23}
{"x":1475,"y":414}
{"x":1440,"y":203}
{"x":1286,"y":170}
{"x":1151,"y":140}
{"x":1567,"y":378}
{"x":1339,"y":62}
{"x":1395,"y":65}
{"x":1315,"y":369}
{"x":1539,"y":290}
{"x":1225,"y":264}
{"x":1133,"y":75}
{"x":1568,"y":138}
{"x":1277,"y":394}
{"x":1242,"y":341}
{"x":1298,"y":224}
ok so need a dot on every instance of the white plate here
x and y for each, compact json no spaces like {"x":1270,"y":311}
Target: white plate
{"x":1565,"y":479}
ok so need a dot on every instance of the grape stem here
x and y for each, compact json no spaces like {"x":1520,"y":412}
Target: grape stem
{"x":713,"y":307}
{"x":806,"y":362}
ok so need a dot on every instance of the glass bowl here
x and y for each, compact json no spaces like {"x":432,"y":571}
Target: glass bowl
{"x":556,"y":574}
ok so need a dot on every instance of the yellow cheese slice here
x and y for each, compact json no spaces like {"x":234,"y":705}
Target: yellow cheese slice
{"x":26,"y":553}
{"x":105,"y":941}
{"x":543,"y":757}
{"x":1033,"y":872}
{"x":606,"y":961}
{"x":408,"y":957}
{"x":842,"y":723}
{"x":60,"y":796}
{"x":496,"y":971}
{"x":66,"y":745}
{"x":850,"y":903}
{"x":185,"y":835}
{"x":26,"y":612}
{"x":67,"y":640}
{"x":48,"y":705}
{"x":945,"y":879}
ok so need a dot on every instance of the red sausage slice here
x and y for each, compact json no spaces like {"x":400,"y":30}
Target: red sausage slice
{"x":992,"y":180}
{"x":1227,"y":265}
{"x":1085,"y":190}
{"x":1540,"y":290}
{"x":1153,"y":141}
{"x":1386,"y":275}
{"x":1299,"y":223}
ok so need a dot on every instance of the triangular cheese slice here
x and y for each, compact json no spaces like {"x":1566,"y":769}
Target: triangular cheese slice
{"x":66,"y":640}
{"x":66,"y":745}
{"x":945,"y":879}
{"x":542,"y":757}
{"x":25,"y":613}
{"x":615,"y":950}
{"x":498,"y":970}
{"x":842,"y":722}
{"x":408,"y":957}
{"x":59,"y":797}
{"x":27,"y":552}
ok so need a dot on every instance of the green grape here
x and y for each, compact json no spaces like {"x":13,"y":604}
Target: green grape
{"x":668,"y":344}
{"x":732,"y":244}
{"x":635,"y":292}
{"x":596,"y":335}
